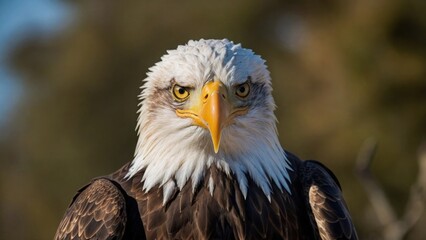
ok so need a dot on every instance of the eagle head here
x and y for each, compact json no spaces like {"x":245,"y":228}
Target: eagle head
{"x":208,"y":103}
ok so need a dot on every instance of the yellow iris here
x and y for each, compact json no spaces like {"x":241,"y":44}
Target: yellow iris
{"x":180,"y":93}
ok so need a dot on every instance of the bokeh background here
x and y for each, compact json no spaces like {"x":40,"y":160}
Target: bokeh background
{"x":70,"y":72}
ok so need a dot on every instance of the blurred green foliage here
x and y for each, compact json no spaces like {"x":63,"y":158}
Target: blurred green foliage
{"x":343,"y":71}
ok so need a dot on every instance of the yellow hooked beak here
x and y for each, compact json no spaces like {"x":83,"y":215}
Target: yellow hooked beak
{"x":212,"y":110}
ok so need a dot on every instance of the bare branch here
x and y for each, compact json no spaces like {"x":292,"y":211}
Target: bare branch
{"x":393,"y":228}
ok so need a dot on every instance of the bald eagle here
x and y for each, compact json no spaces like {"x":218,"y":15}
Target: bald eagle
{"x":208,"y":163}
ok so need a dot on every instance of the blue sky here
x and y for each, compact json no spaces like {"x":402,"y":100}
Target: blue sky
{"x":17,"y":19}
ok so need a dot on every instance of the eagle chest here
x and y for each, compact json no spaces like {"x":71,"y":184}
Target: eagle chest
{"x":219,"y":213}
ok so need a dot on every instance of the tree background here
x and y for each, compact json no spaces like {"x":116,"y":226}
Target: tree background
{"x":343,"y":72}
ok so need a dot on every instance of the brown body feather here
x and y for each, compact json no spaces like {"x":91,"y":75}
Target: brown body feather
{"x":115,"y":208}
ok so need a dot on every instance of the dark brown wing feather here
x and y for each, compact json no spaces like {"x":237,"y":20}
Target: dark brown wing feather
{"x":98,"y":211}
{"x":115,"y":208}
{"x":329,"y":211}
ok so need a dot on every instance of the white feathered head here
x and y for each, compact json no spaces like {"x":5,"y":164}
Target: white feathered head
{"x":207,"y":103}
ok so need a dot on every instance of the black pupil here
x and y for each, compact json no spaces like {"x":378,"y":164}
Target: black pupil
{"x":242,"y":89}
{"x":181,"y":90}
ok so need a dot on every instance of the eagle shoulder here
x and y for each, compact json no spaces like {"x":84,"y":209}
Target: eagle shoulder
{"x":329,"y":211}
{"x":97,"y":211}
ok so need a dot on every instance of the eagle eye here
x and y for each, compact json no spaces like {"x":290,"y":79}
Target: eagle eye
{"x":242,"y":90}
{"x":180,"y":93}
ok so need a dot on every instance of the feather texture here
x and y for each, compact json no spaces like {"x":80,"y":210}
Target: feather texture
{"x":115,"y":208}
